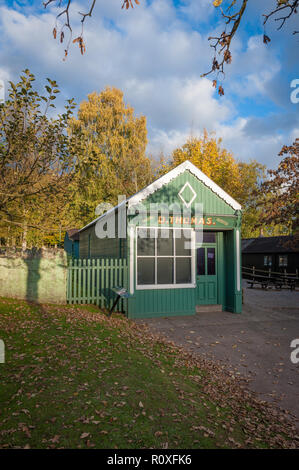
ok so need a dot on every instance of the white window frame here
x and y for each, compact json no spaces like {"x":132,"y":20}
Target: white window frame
{"x":166,"y":286}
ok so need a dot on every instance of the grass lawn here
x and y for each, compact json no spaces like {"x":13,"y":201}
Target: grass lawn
{"x":75,"y":379}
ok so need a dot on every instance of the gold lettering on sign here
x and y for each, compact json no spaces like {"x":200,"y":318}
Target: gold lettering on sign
{"x":221,"y":221}
{"x":188,"y":220}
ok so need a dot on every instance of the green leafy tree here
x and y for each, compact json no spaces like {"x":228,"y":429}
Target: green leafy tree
{"x":249,"y":194}
{"x":37,"y":156}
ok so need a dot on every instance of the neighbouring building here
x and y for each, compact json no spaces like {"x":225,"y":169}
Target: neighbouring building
{"x":71,"y":242}
{"x":181,"y":241}
{"x":277,"y":253}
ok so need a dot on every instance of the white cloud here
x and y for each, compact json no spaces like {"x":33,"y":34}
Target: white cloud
{"x":152,"y":54}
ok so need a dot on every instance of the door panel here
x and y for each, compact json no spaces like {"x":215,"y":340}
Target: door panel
{"x":201,"y":292}
{"x":212,"y":294}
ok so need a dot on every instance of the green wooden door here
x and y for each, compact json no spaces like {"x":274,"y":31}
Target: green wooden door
{"x":206,"y":274}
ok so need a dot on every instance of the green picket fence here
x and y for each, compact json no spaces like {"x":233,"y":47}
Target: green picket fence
{"x":89,"y":281}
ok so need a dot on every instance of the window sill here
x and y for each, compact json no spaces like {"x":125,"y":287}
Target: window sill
{"x":165,"y":286}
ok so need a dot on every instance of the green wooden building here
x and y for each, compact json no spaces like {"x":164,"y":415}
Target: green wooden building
{"x":179,"y":239}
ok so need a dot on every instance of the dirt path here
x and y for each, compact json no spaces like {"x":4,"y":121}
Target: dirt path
{"x":255,"y":344}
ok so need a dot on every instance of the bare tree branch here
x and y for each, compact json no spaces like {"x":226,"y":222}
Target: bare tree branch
{"x":232,"y":16}
{"x":67,"y":24}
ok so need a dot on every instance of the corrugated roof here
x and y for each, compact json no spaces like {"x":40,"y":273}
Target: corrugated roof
{"x":73,"y":233}
{"x":278,"y":244}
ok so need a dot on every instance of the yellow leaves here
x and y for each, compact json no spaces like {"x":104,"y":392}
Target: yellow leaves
{"x":206,"y":153}
{"x":220,"y":91}
{"x":217,"y":3}
{"x":113,"y":160}
{"x":81,"y":44}
{"x":128,"y":3}
{"x":227,"y":56}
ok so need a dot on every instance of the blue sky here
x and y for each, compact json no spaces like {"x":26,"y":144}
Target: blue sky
{"x":156,"y":55}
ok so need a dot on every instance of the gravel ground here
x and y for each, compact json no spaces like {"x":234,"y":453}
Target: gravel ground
{"x":255,"y":344}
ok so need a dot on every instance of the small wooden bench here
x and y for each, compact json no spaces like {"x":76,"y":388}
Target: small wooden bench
{"x":278,"y":283}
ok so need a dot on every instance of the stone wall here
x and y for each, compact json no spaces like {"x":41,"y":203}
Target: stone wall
{"x":38,"y":275}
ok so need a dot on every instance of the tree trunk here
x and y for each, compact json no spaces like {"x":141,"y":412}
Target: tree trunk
{"x":24,"y":240}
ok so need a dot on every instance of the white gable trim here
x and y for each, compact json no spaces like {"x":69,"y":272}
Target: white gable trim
{"x":165,"y":179}
{"x":172,"y":174}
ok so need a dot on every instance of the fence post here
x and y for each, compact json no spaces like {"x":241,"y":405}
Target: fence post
{"x":84,"y":282}
{"x":69,"y":279}
{"x":285,"y":276}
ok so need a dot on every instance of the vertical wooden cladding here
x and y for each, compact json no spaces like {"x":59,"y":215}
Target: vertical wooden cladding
{"x":169,"y":194}
{"x":162,"y":302}
{"x":101,"y":247}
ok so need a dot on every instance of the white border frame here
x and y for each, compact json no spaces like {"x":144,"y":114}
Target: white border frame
{"x":192,"y":285}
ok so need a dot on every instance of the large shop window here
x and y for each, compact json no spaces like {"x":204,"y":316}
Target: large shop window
{"x":164,"y":258}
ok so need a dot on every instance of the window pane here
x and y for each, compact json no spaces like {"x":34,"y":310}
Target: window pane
{"x":267,"y":260}
{"x":145,"y":246}
{"x":201,"y":261}
{"x":183,"y":270}
{"x":283,"y":260}
{"x":165,"y":270}
{"x":209,"y":237}
{"x":146,"y":270}
{"x":211,"y":261}
{"x":182,"y":242}
{"x":165,"y":243}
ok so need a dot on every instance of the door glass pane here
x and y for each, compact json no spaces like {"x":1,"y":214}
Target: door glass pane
{"x":146,"y":270}
{"x":145,"y":244}
{"x":165,"y":270}
{"x":209,"y":237}
{"x":183,"y":270}
{"x":205,"y":237}
{"x":201,"y":261}
{"x":211,"y":261}
{"x":182,"y":242}
{"x":165,"y":243}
